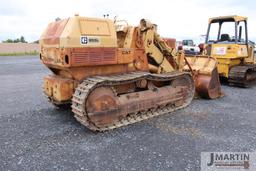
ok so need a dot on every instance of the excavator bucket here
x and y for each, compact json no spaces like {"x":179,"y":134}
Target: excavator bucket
{"x":206,"y":77}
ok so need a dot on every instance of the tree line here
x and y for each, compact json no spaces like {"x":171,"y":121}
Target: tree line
{"x":18,"y":40}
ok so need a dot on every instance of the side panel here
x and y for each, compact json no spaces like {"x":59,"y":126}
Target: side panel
{"x":228,"y":55}
{"x":51,"y":35}
{"x":229,"y":51}
{"x":77,"y":57}
{"x":80,"y":30}
{"x":94,"y":27}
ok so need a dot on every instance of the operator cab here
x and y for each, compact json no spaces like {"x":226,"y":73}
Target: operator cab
{"x":227,"y":30}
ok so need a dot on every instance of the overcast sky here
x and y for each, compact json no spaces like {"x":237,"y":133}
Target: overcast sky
{"x":178,"y":19}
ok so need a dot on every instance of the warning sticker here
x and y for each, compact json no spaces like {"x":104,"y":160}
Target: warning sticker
{"x":220,"y":50}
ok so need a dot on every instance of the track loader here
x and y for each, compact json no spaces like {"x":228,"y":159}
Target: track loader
{"x":112,"y":74}
{"x":227,"y":41}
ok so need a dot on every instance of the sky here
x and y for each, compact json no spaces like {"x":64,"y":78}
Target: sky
{"x":180,"y":19}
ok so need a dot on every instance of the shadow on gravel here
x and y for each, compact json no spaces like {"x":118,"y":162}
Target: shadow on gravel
{"x":224,"y":81}
{"x":64,"y":116}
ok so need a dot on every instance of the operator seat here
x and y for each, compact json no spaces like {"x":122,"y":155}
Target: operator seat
{"x":225,"y":37}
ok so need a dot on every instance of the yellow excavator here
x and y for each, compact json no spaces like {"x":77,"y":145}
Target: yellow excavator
{"x":227,"y":41}
{"x":114,"y":74}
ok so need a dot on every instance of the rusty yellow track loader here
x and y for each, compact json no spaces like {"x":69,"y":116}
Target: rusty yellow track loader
{"x":112,"y":74}
{"x":227,"y":41}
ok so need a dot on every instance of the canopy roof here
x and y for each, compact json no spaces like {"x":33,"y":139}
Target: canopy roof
{"x":230,"y":18}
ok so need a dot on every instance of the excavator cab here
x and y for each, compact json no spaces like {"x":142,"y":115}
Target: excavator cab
{"x":227,"y":41}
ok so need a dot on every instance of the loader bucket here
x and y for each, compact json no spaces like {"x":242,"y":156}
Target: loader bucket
{"x":206,"y":77}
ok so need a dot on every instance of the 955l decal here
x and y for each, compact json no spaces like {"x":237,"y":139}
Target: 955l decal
{"x":89,"y":40}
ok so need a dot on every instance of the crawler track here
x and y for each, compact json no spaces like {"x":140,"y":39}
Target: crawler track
{"x":242,"y":75}
{"x":82,"y":92}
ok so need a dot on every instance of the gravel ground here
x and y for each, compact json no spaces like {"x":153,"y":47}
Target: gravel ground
{"x":36,"y":136}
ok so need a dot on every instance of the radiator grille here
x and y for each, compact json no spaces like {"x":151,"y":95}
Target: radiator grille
{"x":94,"y":56}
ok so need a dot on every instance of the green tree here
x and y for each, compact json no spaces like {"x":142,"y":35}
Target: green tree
{"x":16,"y":40}
{"x":8,"y":41}
{"x":37,"y":41}
{"x":21,"y":39}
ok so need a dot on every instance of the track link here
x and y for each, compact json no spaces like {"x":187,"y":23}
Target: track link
{"x":89,"y":84}
{"x":242,"y":75}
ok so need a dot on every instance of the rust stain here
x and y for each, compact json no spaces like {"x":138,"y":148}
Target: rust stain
{"x":54,"y":32}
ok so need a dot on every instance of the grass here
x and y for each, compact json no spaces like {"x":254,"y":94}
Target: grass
{"x":20,"y":53}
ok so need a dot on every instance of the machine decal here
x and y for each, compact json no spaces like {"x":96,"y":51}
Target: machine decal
{"x":89,"y":40}
{"x":220,"y":50}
